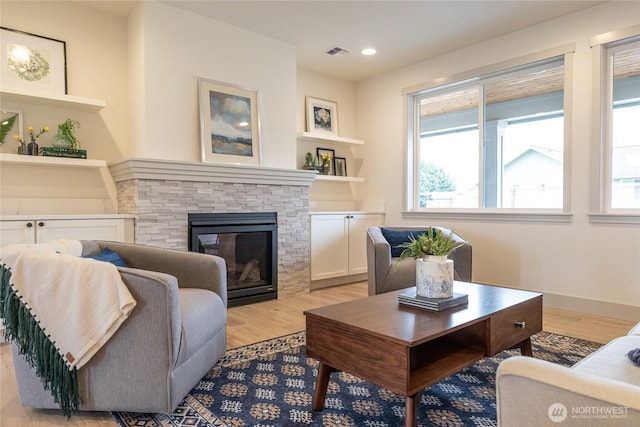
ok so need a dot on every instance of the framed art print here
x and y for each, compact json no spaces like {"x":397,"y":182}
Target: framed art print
{"x":229,"y":123}
{"x":340,"y":166}
{"x":322,"y":116}
{"x":10,"y":124}
{"x":32,"y":63}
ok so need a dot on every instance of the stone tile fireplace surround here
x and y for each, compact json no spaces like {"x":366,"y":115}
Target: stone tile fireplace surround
{"x":161,"y":193}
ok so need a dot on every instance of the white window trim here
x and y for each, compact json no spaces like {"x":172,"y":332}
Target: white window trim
{"x":527,"y":215}
{"x":601,"y":211}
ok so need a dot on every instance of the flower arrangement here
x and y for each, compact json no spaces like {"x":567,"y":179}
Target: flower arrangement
{"x":432,"y":242}
{"x":32,"y":135}
{"x":325,"y":159}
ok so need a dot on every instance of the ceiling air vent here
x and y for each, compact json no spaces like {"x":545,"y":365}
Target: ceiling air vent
{"x":337,"y":51}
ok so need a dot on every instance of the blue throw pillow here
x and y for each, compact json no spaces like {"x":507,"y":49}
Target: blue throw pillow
{"x":107,"y":255}
{"x":398,"y":237}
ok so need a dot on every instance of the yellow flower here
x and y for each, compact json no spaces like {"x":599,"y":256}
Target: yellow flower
{"x":30,"y":128}
{"x":46,"y":129}
{"x":16,"y":136}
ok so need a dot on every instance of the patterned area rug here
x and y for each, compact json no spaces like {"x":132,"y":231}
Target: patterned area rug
{"x":271,"y":383}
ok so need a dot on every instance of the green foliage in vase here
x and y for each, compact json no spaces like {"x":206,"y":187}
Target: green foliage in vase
{"x":432,"y":242}
{"x":6,"y":126}
{"x":66,"y":131}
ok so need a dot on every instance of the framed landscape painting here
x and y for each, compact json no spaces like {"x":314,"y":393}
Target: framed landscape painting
{"x":229,"y":123}
{"x":29,"y":62}
{"x":322,"y":116}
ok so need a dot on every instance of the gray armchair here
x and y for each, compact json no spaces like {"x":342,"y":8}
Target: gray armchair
{"x":174,"y":335}
{"x":382,"y":273}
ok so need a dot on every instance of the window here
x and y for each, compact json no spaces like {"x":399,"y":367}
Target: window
{"x":494,"y":141}
{"x":616,"y":126}
{"x":622,"y":123}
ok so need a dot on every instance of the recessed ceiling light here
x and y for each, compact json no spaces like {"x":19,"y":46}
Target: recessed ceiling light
{"x":368,"y":51}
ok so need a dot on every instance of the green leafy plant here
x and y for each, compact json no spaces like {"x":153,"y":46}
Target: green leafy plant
{"x":308,"y":160}
{"x":6,"y":125}
{"x":66,"y":132}
{"x":432,"y":242}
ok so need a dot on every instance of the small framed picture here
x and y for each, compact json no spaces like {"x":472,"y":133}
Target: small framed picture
{"x":329,"y":154}
{"x":10,"y":124}
{"x":340,"y":166}
{"x":322,"y":116}
{"x":229,"y":123}
{"x":31,"y":62}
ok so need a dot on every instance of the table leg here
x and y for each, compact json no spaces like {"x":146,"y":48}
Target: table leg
{"x":322,"y":383}
{"x":410,"y":411}
{"x":525,"y":348}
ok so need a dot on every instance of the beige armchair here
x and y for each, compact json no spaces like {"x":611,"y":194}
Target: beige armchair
{"x":603,"y":389}
{"x":382,"y":257}
{"x":174,"y":335}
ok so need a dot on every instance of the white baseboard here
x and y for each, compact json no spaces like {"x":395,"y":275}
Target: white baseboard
{"x":593,"y":307}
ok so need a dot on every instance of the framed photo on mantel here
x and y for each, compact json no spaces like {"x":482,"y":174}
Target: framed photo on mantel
{"x":229,"y":123}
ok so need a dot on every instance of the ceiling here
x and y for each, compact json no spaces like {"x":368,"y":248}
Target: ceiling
{"x":403,"y":32}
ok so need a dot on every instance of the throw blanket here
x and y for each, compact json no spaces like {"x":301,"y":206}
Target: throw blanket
{"x":60,"y":309}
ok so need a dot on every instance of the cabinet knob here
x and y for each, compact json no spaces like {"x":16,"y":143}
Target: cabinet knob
{"x":520,"y":325}
{"x":29,"y":224}
{"x":41,"y":224}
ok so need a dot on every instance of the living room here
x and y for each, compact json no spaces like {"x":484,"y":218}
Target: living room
{"x":146,"y":66}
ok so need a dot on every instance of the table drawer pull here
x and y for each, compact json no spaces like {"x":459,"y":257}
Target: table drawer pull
{"x":520,"y":325}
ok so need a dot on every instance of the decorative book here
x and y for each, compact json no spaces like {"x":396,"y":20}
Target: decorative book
{"x":64,"y":152}
{"x":409,"y":297}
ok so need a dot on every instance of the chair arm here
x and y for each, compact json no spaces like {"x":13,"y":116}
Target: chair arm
{"x":192,"y":269}
{"x":378,"y":259}
{"x":527,"y":388}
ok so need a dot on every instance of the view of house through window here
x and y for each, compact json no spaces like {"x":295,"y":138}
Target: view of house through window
{"x":625,"y":124}
{"x":497,"y":142}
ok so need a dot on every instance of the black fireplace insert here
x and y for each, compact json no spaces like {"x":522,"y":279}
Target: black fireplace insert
{"x":248,"y":242}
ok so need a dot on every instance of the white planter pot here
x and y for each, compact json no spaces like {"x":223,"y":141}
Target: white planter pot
{"x":434,"y":277}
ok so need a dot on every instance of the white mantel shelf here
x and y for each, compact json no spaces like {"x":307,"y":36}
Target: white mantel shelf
{"x":139,"y":168}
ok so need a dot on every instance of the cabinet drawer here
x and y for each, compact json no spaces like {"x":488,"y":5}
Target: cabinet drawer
{"x":514,"y":325}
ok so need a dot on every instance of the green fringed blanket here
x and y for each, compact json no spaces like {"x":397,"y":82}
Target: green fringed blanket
{"x":38,"y":350}
{"x":59,"y":309}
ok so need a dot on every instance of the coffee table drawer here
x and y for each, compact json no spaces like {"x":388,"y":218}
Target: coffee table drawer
{"x":510,"y":327}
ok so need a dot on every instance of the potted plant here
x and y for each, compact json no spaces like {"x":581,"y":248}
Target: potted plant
{"x":65,"y":136}
{"x":325,"y":162}
{"x":434,"y":271}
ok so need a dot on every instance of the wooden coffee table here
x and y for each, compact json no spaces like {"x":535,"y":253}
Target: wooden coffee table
{"x":406,"y":349}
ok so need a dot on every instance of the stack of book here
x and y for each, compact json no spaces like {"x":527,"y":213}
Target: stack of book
{"x":410,"y":298}
{"x":64,"y":152}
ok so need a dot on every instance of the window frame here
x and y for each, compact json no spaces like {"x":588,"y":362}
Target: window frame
{"x":602,"y":118}
{"x":411,"y":210}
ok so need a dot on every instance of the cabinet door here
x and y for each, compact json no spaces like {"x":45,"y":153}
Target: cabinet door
{"x":329,"y":246}
{"x":80,"y":229}
{"x":358,"y":224}
{"x":14,"y":232}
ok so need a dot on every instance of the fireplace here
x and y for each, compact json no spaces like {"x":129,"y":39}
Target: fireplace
{"x":248,"y":242}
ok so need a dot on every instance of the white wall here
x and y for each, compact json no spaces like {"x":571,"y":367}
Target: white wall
{"x":327,"y":195}
{"x":580,"y":265}
{"x":96,"y":44}
{"x":178,"y":48}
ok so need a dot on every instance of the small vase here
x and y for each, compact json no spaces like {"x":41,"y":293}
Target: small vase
{"x":59,"y":141}
{"x":22,"y":149}
{"x":434,"y":277}
{"x":32,"y":148}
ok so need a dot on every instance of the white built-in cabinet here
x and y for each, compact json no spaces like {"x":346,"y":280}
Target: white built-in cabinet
{"x":338,"y":243}
{"x":45,"y":228}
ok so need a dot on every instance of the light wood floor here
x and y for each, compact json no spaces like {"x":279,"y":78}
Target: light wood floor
{"x":257,"y":322}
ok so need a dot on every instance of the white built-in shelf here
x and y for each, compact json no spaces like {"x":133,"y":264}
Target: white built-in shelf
{"x":16,"y":159}
{"x":53,"y":100}
{"x":318,"y":137}
{"x":339,"y":178}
